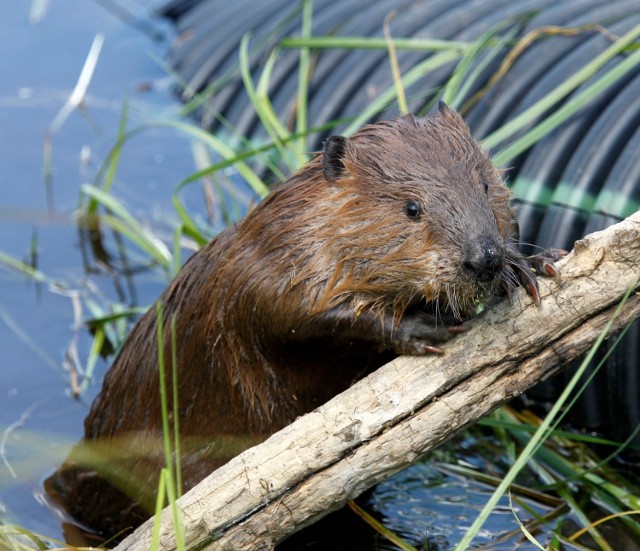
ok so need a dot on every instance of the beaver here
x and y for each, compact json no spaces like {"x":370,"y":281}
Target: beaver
{"x":383,"y":244}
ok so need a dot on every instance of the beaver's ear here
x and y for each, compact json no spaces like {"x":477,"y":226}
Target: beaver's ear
{"x":411,"y":119}
{"x":333,"y":153}
{"x":452,"y":116}
{"x":443,"y":107}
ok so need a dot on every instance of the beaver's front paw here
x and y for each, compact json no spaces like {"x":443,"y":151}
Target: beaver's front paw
{"x":522,"y":270}
{"x":544,"y":263}
{"x":418,"y":333}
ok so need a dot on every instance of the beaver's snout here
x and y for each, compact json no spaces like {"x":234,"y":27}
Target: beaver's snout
{"x":484,"y":259}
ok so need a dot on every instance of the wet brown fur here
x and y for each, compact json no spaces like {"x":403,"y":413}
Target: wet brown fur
{"x":290,"y":306}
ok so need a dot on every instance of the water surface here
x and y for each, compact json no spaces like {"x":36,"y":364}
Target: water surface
{"x":41,"y":63}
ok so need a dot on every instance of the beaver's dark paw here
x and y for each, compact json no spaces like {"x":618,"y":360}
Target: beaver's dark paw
{"x":417,"y":334}
{"x":523,"y":269}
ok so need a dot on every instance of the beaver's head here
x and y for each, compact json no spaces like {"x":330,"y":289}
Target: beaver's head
{"x":421,"y":213}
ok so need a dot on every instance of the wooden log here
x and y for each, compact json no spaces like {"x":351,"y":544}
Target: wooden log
{"x":391,"y":418}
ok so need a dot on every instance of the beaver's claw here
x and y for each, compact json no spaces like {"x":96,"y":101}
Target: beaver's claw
{"x":543,"y":263}
{"x":524,"y":269}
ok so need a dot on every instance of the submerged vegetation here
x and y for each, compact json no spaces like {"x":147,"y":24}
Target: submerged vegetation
{"x":572,"y":498}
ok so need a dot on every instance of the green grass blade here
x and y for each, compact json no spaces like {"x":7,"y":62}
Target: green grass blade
{"x":177,"y":236}
{"x":169,"y":471}
{"x":113,"y":164}
{"x":264,"y":41}
{"x":177,"y":520}
{"x":160,"y":499}
{"x":302,"y":123}
{"x":380,"y":528}
{"x":269,"y":116}
{"x":260,"y":101}
{"x":616,"y":496}
{"x":94,"y":353}
{"x":368,"y":43}
{"x":163,"y":389}
{"x":26,"y":269}
{"x":403,"y":107}
{"x":189,"y":227}
{"x":583,"y":518}
{"x":110,"y":167}
{"x":176,"y":409}
{"x":523,"y":528}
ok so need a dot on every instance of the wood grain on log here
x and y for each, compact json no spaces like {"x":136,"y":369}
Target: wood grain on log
{"x":391,"y":418}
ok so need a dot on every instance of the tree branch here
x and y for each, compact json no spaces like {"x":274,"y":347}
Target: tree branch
{"x":391,"y":418}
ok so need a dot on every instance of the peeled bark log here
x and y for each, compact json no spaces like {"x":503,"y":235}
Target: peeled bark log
{"x":391,"y":418}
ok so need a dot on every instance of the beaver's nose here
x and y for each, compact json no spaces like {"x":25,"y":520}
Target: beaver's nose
{"x":484,"y":259}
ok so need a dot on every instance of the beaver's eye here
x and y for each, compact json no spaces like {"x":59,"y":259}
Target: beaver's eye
{"x":413,"y":210}
{"x":486,"y":186}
